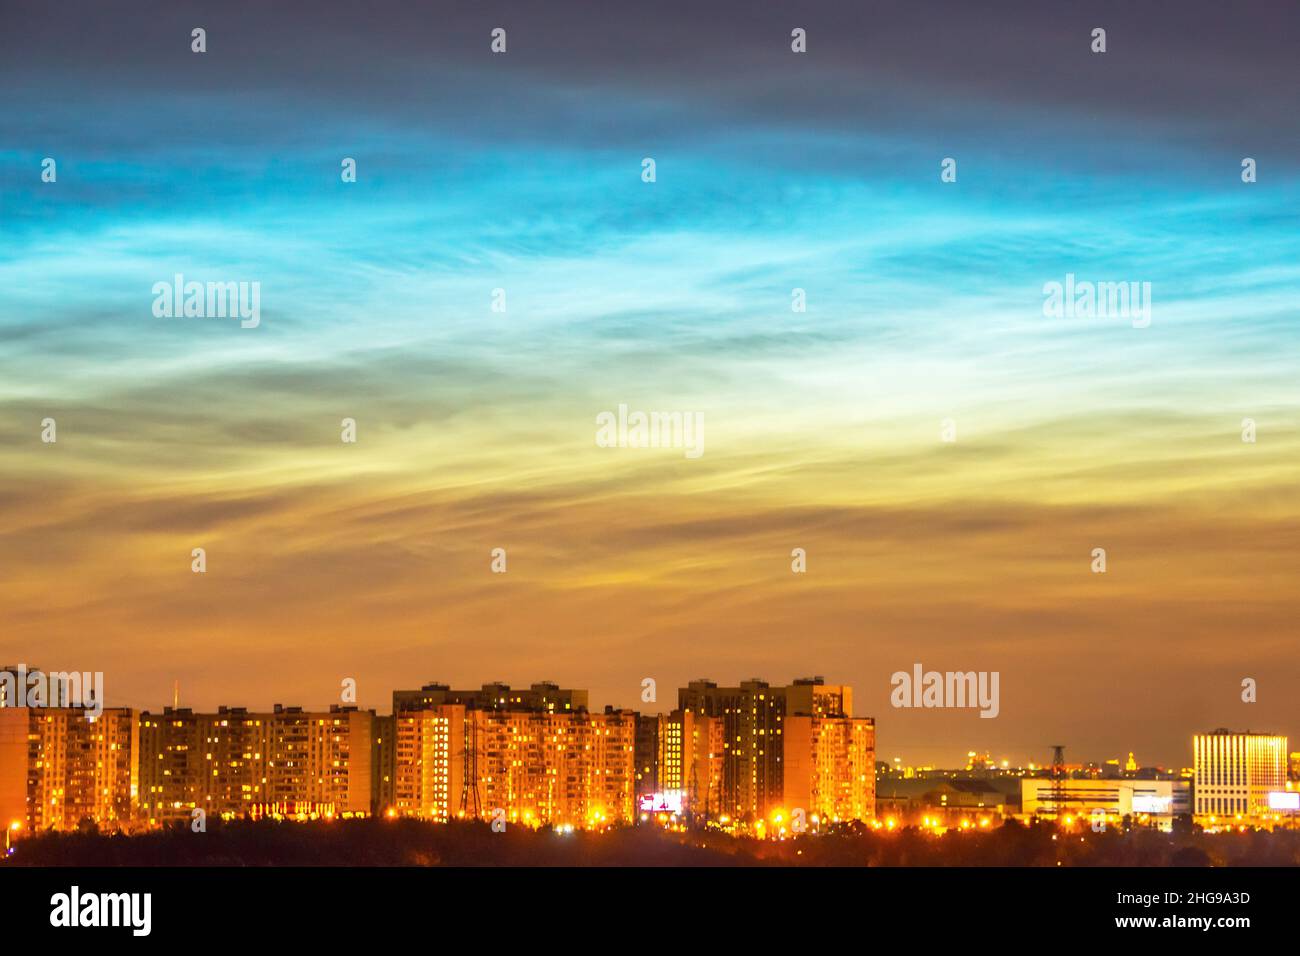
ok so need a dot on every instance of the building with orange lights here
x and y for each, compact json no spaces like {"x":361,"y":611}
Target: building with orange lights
{"x":61,"y":767}
{"x":1234,"y":773}
{"x":238,"y":763}
{"x":538,"y":755}
{"x":1156,"y":803}
{"x":748,"y":752}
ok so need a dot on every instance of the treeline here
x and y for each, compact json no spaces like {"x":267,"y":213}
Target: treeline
{"x":377,"y":842}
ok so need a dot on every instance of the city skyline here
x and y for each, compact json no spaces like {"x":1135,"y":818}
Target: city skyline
{"x":955,"y":754}
{"x":753,"y":759}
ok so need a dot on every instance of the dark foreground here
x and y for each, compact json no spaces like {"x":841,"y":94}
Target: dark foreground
{"x":413,"y":843}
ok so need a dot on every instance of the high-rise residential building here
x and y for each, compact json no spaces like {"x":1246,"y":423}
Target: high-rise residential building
{"x":830,"y":767}
{"x":383,"y":762}
{"x":236,"y":763}
{"x":752,"y":716}
{"x":319,"y":761}
{"x":61,"y":768}
{"x":1235,"y":772}
{"x":833,"y":753}
{"x":689,"y":761}
{"x":562,"y":768}
{"x":15,"y":768}
{"x":646,"y":751}
{"x":543,"y":695}
{"x":215,"y":762}
{"x":23,"y":686}
{"x":10,"y":684}
{"x":539,"y":755}
{"x":430,"y":763}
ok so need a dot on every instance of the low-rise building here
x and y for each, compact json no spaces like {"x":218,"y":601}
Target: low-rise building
{"x":1156,"y":803}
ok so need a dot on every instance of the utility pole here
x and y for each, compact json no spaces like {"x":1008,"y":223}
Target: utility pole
{"x":1058,"y":778}
{"x":469,"y":799}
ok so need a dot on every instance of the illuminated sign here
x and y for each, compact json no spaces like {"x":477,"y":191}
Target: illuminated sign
{"x":670,"y":801}
{"x":1147,"y":803}
{"x":1284,"y":800}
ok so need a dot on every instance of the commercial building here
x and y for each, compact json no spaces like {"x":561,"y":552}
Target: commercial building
{"x":956,"y":801}
{"x":1156,"y":803}
{"x":1235,"y":773}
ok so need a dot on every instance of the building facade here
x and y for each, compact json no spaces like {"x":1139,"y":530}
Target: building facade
{"x":830,"y":767}
{"x":755,"y":750}
{"x":430,"y":764}
{"x":1235,"y":772}
{"x":687,"y":762}
{"x":239,"y":763}
{"x":1156,"y":803}
{"x":537,"y":755}
{"x":62,"y":768}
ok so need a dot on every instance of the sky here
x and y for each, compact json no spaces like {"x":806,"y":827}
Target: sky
{"x":476,"y":428}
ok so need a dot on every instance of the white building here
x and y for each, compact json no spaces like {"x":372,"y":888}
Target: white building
{"x":1235,"y":774}
{"x":1152,"y":803}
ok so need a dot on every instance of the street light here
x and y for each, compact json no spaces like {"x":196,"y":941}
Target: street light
{"x":9,"y":831}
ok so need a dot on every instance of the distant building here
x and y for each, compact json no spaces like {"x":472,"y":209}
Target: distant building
{"x":543,"y":696}
{"x":1156,"y":803}
{"x":18,"y":682}
{"x":978,"y":800}
{"x":1235,"y":772}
